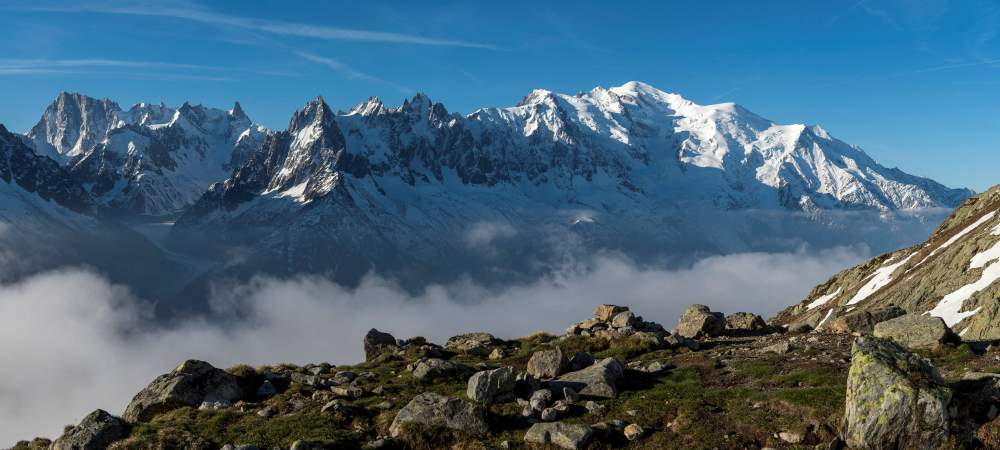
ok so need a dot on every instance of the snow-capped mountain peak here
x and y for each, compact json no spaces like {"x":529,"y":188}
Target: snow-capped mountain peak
{"x":150,"y":160}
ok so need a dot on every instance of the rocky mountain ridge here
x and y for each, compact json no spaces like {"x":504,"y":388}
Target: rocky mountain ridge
{"x":423,"y":195}
{"x":953,"y":275}
{"x":150,"y":160}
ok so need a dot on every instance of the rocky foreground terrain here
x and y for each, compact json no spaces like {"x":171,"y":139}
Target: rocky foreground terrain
{"x":875,"y":381}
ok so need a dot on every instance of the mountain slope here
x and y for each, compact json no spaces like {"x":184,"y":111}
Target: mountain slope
{"x":629,"y":169}
{"x":151,"y":160}
{"x":953,"y":275}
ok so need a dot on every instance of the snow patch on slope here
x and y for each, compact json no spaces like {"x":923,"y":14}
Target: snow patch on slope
{"x":879,"y":279}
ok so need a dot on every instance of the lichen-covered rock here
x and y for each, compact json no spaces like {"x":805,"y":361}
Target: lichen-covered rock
{"x":430,"y":409}
{"x":377,"y":343}
{"x":895,"y":399}
{"x":545,"y":364}
{"x":489,"y":385}
{"x":190,"y":384}
{"x":915,"y":331}
{"x":97,"y":431}
{"x":863,"y":321}
{"x":562,"y":435}
{"x":478,"y":344}
{"x":598,"y":380}
{"x":428,"y":369}
{"x":699,"y":321}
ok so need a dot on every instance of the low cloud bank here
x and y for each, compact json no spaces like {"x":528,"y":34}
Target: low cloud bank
{"x":71,"y":342}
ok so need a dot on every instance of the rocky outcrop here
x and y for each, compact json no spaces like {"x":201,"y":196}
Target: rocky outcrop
{"x":190,"y":384}
{"x":616,"y":322}
{"x":895,"y":399}
{"x":479,"y":344}
{"x":429,"y":409}
{"x":916,"y":332}
{"x":598,"y":380}
{"x":97,"y":431}
{"x":562,"y":435}
{"x":699,"y":321}
{"x":377,"y":343}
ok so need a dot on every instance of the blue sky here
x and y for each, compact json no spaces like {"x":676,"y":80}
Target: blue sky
{"x":914,"y":82}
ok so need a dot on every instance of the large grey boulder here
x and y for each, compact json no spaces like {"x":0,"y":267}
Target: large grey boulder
{"x":429,"y":369}
{"x":478,"y":344}
{"x":895,"y":399}
{"x":598,"y":380}
{"x":190,"y":384}
{"x":699,"y":321}
{"x":744,"y":322}
{"x":545,"y":364}
{"x":488,"y":385}
{"x":377,"y":343}
{"x":562,"y":435}
{"x":97,"y":431}
{"x":914,"y":331}
{"x":863,"y":322}
{"x":430,"y":409}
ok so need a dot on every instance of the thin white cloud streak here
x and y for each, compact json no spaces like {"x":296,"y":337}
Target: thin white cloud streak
{"x":193,"y":12}
{"x":70,"y":342}
{"x":55,"y":63}
{"x":348,"y":71}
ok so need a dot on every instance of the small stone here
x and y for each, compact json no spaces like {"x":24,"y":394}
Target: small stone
{"x":780,"y":348}
{"x":335,"y":405}
{"x":791,"y":437}
{"x":266,"y":412}
{"x":633,"y":432}
{"x":566,"y":436}
{"x":549,"y":415}
{"x":347,"y":392}
{"x":497,"y":354}
{"x":594,"y":407}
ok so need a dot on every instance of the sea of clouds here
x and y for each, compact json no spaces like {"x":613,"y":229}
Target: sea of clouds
{"x":71,"y":342}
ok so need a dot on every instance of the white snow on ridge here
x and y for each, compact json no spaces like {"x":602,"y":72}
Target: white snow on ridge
{"x":823,"y":299}
{"x":879,"y":279}
{"x":986,"y":217}
{"x":825,"y":318}
{"x":950,"y":306}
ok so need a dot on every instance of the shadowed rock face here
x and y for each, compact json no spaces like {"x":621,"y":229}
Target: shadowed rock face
{"x":97,"y":431}
{"x":190,"y":384}
{"x":895,"y":399}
